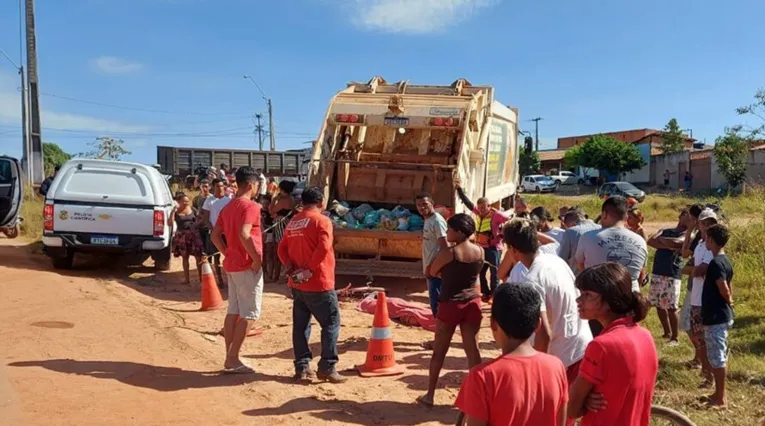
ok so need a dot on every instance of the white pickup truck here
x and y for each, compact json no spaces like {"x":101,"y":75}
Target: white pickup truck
{"x":566,"y":178}
{"x":113,"y":207}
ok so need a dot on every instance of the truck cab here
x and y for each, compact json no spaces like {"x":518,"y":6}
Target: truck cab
{"x":383,"y":143}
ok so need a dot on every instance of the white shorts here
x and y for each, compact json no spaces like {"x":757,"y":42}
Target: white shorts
{"x":245,"y":293}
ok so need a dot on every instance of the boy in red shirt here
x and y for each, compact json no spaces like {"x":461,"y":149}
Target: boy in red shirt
{"x":306,"y":251}
{"x":521,"y":387}
{"x":239,"y":221}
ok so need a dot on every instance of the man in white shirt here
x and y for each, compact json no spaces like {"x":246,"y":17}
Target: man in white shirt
{"x":210,"y":211}
{"x":562,"y":333}
{"x":701,"y":259}
{"x":262,"y":184}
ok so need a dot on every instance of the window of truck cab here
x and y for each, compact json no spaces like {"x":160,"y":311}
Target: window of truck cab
{"x":114,"y":183}
{"x":6,"y":172}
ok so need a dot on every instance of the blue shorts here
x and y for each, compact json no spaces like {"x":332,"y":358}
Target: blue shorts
{"x":716,"y":338}
{"x":434,"y":292}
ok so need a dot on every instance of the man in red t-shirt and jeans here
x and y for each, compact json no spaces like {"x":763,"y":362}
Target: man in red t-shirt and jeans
{"x":239,"y":221}
{"x":307,"y":254}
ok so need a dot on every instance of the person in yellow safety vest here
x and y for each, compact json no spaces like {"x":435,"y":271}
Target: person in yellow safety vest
{"x":488,"y":235}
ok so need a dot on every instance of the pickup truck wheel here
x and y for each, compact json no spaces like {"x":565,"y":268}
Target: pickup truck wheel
{"x":162,"y":259}
{"x":64,"y":261}
{"x":538,"y":189}
{"x":580,"y":181}
{"x":558,"y":182}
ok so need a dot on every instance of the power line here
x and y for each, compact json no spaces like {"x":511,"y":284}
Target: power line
{"x":155,"y":111}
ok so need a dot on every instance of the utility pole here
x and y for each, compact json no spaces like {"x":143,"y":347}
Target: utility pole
{"x":259,"y":129}
{"x":271,"y":134}
{"x":536,"y":132}
{"x":35,"y":132}
{"x":25,"y":154}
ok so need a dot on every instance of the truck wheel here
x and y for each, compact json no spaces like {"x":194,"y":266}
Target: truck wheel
{"x":558,"y":183}
{"x":162,"y":259}
{"x":539,"y":190}
{"x":580,"y":181}
{"x":63,"y":259}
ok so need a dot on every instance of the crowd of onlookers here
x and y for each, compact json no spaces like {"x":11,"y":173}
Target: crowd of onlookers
{"x":576,"y":351}
{"x":565,"y":295}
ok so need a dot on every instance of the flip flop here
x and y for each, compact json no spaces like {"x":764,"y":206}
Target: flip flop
{"x":421,"y":400}
{"x":242,"y":369}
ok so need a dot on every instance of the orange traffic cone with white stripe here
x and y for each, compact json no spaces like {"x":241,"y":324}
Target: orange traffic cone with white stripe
{"x":211,"y":298}
{"x":381,"y":359}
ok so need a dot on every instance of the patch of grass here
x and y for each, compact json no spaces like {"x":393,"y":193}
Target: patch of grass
{"x":31,"y":212}
{"x":659,"y":207}
{"x":677,"y":386}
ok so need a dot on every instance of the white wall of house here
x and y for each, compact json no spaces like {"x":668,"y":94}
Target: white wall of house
{"x":642,"y":175}
{"x":671,"y":162}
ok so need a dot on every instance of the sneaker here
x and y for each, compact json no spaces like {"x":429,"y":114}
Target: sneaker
{"x":333,"y":377}
{"x":673,"y":343}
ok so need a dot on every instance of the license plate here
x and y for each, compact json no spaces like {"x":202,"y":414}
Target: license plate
{"x":396,"y":121}
{"x":104,"y":240}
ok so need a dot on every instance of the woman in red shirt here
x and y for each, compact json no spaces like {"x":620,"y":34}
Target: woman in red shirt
{"x":619,"y":365}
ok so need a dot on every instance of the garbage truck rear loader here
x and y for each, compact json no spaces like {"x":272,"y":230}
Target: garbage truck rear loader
{"x":382,"y":144}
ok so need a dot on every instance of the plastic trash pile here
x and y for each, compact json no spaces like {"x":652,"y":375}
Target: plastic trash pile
{"x":365,"y":216}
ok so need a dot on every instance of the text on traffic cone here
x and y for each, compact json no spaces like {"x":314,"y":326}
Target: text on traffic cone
{"x":381,"y":359}
{"x":211,"y":298}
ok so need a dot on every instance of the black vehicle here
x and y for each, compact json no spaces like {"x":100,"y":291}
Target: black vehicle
{"x":11,"y":196}
{"x":623,"y":189}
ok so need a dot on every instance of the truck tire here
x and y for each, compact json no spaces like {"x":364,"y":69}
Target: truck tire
{"x":162,"y":259}
{"x":538,"y":190}
{"x":63,"y":259}
{"x":558,"y":182}
{"x":580,"y":181}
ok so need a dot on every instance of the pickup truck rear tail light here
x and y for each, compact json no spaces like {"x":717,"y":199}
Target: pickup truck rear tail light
{"x":444,"y":122}
{"x":349,"y":118}
{"x":159,"y":223}
{"x":48,"y":217}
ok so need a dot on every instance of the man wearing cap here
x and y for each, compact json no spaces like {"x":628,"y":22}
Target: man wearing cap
{"x":307,"y":254}
{"x":702,"y":256}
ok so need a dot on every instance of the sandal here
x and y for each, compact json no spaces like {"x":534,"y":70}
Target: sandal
{"x":421,"y":400}
{"x":242,"y":369}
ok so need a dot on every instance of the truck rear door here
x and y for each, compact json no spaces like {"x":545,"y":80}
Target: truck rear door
{"x":10,"y":190}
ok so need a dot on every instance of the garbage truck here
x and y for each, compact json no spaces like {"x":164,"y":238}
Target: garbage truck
{"x":381,"y":144}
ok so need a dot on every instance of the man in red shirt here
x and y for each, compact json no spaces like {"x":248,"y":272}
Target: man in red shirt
{"x":306,"y":251}
{"x":239,"y":221}
{"x":521,"y":387}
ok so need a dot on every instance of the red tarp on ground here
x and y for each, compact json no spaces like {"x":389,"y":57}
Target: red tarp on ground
{"x":409,"y":313}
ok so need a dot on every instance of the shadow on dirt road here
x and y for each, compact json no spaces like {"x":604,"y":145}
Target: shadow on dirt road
{"x":360,"y":413}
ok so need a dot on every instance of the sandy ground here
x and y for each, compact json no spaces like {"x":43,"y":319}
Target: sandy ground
{"x":118,"y":344}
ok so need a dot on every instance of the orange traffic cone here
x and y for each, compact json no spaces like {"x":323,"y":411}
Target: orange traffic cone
{"x":211,"y":298}
{"x":381,"y":360}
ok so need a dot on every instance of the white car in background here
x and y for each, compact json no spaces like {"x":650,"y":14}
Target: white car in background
{"x":566,"y":178}
{"x":538,"y":183}
{"x":97,"y":206}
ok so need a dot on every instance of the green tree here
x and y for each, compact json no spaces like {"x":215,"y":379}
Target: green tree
{"x":529,"y":163}
{"x":672,"y":139}
{"x":732,"y":155}
{"x":755,"y":110}
{"x":606,"y":154}
{"x":53,"y":156}
{"x":106,"y":148}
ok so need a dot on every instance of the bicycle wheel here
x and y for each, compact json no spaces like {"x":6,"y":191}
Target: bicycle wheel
{"x":663,"y":416}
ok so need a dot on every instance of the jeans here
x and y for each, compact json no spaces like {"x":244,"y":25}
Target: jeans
{"x":491,"y":256}
{"x":434,"y":292}
{"x":324,"y":307}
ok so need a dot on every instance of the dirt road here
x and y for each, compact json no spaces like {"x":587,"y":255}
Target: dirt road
{"x":106,"y":343}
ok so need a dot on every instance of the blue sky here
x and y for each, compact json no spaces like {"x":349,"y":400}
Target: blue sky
{"x":175,"y":67}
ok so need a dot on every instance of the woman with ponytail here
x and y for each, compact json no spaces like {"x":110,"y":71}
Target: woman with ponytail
{"x":620,"y":365}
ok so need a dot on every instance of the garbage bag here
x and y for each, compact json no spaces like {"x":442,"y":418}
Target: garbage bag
{"x":361,"y":211}
{"x":351,"y":220}
{"x":371,"y":219}
{"x":416,"y":223}
{"x":399,"y":212}
{"x":403,"y":224}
